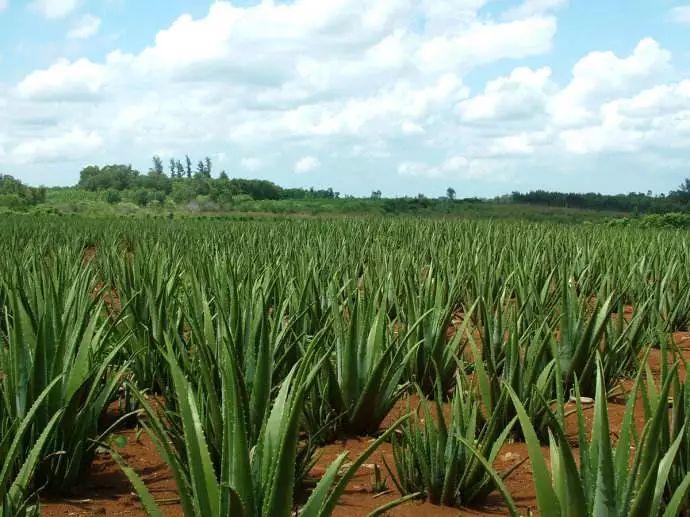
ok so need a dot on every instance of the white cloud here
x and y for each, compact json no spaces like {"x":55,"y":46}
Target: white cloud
{"x":410,"y":128}
{"x":251,"y":164}
{"x":64,"y":81}
{"x":602,"y":76}
{"x":459,"y":167}
{"x":487,"y":42}
{"x":661,"y":100}
{"x":85,"y":27}
{"x":66,"y":146}
{"x":657,"y":117}
{"x":349,"y":68}
{"x":54,"y":8}
{"x":680,"y":14}
{"x":4,"y":4}
{"x":364,"y":84}
{"x":597,"y":139}
{"x":513,"y":145}
{"x":307,"y":164}
{"x":534,"y":7}
{"x":523,"y":94}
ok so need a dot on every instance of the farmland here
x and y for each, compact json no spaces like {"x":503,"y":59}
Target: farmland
{"x":342,"y":366}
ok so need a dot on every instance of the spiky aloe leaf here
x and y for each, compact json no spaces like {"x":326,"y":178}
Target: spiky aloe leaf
{"x":547,"y":500}
{"x":147,"y":500}
{"x":605,"y":481}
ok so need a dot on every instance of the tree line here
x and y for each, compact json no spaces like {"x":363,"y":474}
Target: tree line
{"x":677,"y":200}
{"x":14,"y":194}
{"x":182,"y":182}
{"x":185,"y":183}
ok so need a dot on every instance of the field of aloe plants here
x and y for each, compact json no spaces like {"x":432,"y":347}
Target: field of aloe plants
{"x":476,"y":366}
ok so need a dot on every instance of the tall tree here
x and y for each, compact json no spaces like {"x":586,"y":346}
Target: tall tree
{"x":189,"y":165}
{"x":173,"y":169}
{"x":157,"y":164}
{"x":200,"y":169}
{"x":450,"y":193}
{"x":179,"y":168}
{"x":208,"y":164}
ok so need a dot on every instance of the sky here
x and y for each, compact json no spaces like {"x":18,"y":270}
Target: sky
{"x":402,"y":96}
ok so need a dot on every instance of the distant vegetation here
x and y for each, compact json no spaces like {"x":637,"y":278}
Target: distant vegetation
{"x":670,"y":220}
{"x":676,"y":200}
{"x":182,"y":187}
{"x":14,"y":194}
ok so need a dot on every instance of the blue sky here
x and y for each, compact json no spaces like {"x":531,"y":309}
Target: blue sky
{"x":404,"y":96}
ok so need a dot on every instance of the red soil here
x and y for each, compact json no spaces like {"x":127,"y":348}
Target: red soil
{"x":106,"y":490}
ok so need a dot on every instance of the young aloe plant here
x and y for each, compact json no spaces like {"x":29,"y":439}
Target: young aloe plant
{"x":365,"y":378}
{"x":580,"y":332}
{"x":450,"y":461}
{"x":517,"y":354}
{"x":433,"y":303}
{"x":626,"y":480}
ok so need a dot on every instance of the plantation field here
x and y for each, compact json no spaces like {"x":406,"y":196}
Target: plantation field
{"x":370,"y":366}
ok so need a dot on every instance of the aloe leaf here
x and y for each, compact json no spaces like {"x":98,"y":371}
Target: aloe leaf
{"x":147,"y":500}
{"x":547,"y":500}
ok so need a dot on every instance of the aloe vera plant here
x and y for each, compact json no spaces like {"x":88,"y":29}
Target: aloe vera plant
{"x":147,"y":293}
{"x":20,"y":457}
{"x":518,"y":354}
{"x":433,"y":303}
{"x":626,"y":479}
{"x":372,"y":300}
{"x":671,"y":295}
{"x":677,"y":426}
{"x":365,"y":378}
{"x":450,"y":460}
{"x":55,"y":332}
{"x":255,"y":477}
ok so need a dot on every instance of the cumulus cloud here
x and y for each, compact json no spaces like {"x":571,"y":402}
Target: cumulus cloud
{"x":79,"y":80}
{"x":54,"y":8}
{"x":655,"y":117}
{"x":522,"y":94}
{"x":350,"y":68}
{"x":487,"y":42}
{"x":513,"y":145}
{"x":379,"y":85}
{"x":602,"y":76}
{"x":307,"y":164}
{"x":605,"y":108}
{"x":85,"y":27}
{"x":65,"y":146}
{"x":459,"y":167}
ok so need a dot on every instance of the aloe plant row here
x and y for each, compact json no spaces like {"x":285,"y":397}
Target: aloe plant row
{"x":338,"y":320}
